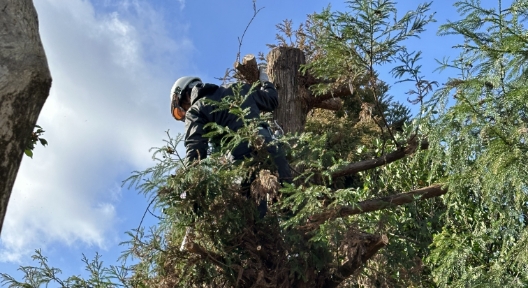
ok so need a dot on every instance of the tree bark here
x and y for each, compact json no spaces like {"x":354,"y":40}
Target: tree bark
{"x":247,"y":70}
{"x":283,"y":71}
{"x":330,"y":104}
{"x":295,"y":98}
{"x":375,"y":205}
{"x":364,"y":165}
{"x":25,"y":81}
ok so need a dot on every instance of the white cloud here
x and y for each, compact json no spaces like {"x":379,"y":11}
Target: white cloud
{"x":182,"y":4}
{"x":111,"y":77}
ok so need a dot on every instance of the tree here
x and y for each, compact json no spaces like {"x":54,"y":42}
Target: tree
{"x":308,"y":238}
{"x":480,"y":131}
{"x":357,"y":159}
{"x":25,"y":82}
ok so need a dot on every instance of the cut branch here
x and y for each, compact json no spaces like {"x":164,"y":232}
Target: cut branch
{"x":330,"y":104}
{"x":353,"y":168}
{"x":375,"y":205}
{"x":339,"y":92}
{"x":248,"y":69}
{"x":373,"y":243}
{"x":331,"y":100}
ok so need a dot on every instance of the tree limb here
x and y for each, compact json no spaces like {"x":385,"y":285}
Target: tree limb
{"x":25,"y":82}
{"x":337,"y":93}
{"x":373,"y":243}
{"x":380,"y":161}
{"x":330,"y":104}
{"x":213,"y":257}
{"x":375,"y":205}
{"x":248,"y":69}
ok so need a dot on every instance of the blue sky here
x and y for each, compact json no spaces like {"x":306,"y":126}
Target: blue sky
{"x":113,"y":63}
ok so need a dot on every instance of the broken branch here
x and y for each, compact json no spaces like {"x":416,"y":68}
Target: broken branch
{"x":248,"y":69}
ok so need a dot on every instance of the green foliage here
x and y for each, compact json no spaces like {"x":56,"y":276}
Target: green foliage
{"x":34,"y":139}
{"x":230,"y":245}
{"x":480,"y":132}
{"x":350,"y":45}
{"x":212,"y":196}
{"x":229,"y":240}
{"x":44,"y":275}
{"x":476,"y":127}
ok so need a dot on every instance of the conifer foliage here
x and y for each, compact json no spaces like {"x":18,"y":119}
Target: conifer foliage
{"x":363,"y":209}
{"x":481,"y":135}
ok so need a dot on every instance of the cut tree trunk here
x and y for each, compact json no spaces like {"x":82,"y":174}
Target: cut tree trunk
{"x":283,"y":71}
{"x":25,"y":81}
{"x":247,"y":71}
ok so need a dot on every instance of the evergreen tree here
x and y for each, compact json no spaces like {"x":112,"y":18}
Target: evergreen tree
{"x":480,"y":134}
{"x":358,"y":156}
{"x":307,"y":238}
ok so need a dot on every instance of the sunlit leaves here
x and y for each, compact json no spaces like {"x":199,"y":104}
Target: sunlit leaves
{"x":480,"y":131}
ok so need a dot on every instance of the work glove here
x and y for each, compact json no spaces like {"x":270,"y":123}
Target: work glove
{"x":263,"y":76}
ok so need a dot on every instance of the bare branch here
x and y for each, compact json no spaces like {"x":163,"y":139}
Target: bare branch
{"x":383,"y":160}
{"x":339,"y":92}
{"x":375,"y":205}
{"x":330,"y":100}
{"x":330,"y":104}
{"x":255,"y":12}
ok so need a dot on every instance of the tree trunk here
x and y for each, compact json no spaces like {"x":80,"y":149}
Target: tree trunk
{"x":283,"y":71}
{"x":25,"y":82}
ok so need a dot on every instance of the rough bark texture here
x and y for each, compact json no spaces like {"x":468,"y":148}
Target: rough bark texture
{"x":247,"y":70}
{"x":295,"y":98}
{"x":25,"y":82}
{"x":283,"y":71}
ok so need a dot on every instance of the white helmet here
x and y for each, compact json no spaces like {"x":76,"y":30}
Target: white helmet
{"x":179,"y":89}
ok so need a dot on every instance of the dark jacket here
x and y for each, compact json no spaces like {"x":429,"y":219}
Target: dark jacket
{"x":263,"y":98}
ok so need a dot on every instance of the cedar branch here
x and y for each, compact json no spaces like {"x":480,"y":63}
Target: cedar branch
{"x":375,"y":205}
{"x":249,"y":275}
{"x":380,"y":161}
{"x":213,"y":257}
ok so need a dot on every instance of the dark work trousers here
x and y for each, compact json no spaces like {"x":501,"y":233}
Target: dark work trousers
{"x":279,"y":157}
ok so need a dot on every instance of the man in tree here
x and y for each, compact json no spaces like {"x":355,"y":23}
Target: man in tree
{"x":188,"y":101}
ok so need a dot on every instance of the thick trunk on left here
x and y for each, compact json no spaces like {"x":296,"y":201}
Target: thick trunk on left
{"x":25,"y":81}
